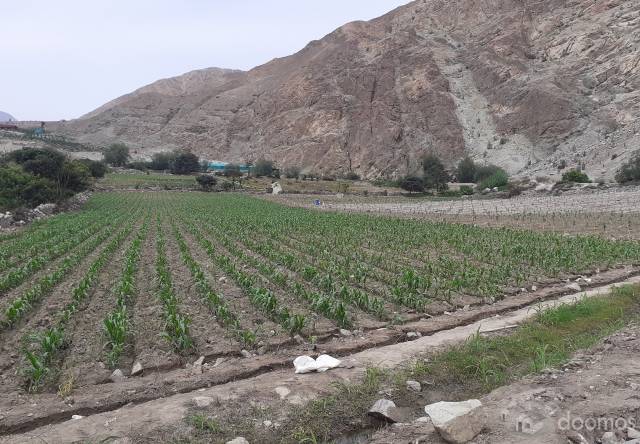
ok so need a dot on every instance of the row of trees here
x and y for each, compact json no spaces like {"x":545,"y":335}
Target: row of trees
{"x":436,"y":177}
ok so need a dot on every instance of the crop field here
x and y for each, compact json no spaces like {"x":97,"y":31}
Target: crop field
{"x":161,"y":278}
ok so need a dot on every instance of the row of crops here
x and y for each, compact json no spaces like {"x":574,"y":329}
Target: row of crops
{"x":300,"y":271}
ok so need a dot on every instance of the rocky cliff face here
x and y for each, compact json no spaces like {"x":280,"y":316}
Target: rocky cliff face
{"x":529,"y":85}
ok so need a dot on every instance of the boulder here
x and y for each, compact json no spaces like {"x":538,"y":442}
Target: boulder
{"x":384,"y":410}
{"x":414,"y":386}
{"x":574,"y":286}
{"x":238,"y":440}
{"x":457,"y":422}
{"x":632,"y":433}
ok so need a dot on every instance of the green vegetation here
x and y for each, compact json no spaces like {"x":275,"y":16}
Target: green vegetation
{"x":412,"y":184}
{"x":466,"y":171}
{"x":206,"y":182}
{"x":117,"y":155}
{"x":31,"y":176}
{"x":185,"y":162}
{"x":630,"y":171}
{"x":491,"y":176}
{"x":435,"y":175}
{"x":575,"y":176}
{"x":263,"y":168}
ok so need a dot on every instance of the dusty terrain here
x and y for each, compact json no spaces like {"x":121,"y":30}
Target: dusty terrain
{"x":530,"y":86}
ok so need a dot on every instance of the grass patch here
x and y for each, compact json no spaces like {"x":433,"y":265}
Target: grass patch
{"x":548,"y":340}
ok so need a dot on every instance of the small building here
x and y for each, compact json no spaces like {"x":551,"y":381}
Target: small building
{"x":218,"y":167}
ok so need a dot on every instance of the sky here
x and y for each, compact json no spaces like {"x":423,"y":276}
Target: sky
{"x":62,"y":59}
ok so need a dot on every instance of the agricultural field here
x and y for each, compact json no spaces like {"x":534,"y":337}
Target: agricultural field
{"x":161,"y":278}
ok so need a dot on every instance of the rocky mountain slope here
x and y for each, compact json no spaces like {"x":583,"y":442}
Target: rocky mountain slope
{"x":530,"y":85}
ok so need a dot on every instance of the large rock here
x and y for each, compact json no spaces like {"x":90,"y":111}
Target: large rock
{"x":137,"y":369}
{"x":457,"y":422}
{"x":384,"y":410}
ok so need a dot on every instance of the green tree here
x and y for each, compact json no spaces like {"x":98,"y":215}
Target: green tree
{"x":185,"y":162}
{"x":97,"y":168}
{"x":162,"y":161}
{"x":75,"y":176}
{"x":40,"y":162}
{"x":292,"y":172}
{"x":487,"y":171}
{"x":412,"y":184}
{"x":262,"y":168}
{"x":466,"y":171}
{"x":117,"y":155}
{"x":435,"y":175}
{"x":232,"y":170}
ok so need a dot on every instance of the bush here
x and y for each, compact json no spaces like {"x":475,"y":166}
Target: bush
{"x":496,"y":180}
{"x":185,"y":163}
{"x":466,"y":171}
{"x":206,"y":182}
{"x":19,"y":188}
{"x":262,"y":168}
{"x":292,"y":172}
{"x":117,"y":155}
{"x":75,"y":176}
{"x":412,"y":184}
{"x":97,"y":168}
{"x":630,"y":171}
{"x":575,"y":176}
{"x":435,"y":175}
{"x":352,"y":176}
{"x":232,"y":170}
{"x":466,"y":190}
{"x":139,"y":165}
{"x":40,"y":162}
{"x":484,"y":172}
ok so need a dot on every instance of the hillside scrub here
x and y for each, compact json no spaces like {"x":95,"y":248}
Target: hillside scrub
{"x":575,"y":176}
{"x":117,"y":155}
{"x":435,"y":175}
{"x":32,"y":176}
{"x":466,"y":171}
{"x":630,"y":171}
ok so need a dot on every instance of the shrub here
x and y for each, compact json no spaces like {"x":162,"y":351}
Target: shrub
{"x":40,"y":162}
{"x":232,"y":170}
{"x":292,"y":172}
{"x":185,"y":163}
{"x":435,"y":175}
{"x":466,"y":190}
{"x":97,"y":168}
{"x":206,"y":182}
{"x":575,"y":176}
{"x":630,"y":171}
{"x":412,"y":184}
{"x":352,"y":176}
{"x":263,"y":167}
{"x":466,"y":171}
{"x":484,"y":172}
{"x":75,"y":176}
{"x":139,"y":165}
{"x":498,"y":179}
{"x":20,"y":188}
{"x":117,"y":155}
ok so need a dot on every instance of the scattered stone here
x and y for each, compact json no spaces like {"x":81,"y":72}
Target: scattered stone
{"x":222,"y":279}
{"x":117,"y":376}
{"x":199,"y":362}
{"x":457,"y":422}
{"x":202,"y":401}
{"x":576,"y":438}
{"x":413,"y":335}
{"x":345,"y":332}
{"x":384,"y":410}
{"x":267,"y":423}
{"x":136,"y":369}
{"x":283,"y":392}
{"x":238,"y":440}
{"x":610,"y":438}
{"x":632,"y":433}
{"x":246,"y":354}
{"x":414,"y":386}
{"x":299,"y":339}
{"x":76,"y":417}
{"x":219,"y":361}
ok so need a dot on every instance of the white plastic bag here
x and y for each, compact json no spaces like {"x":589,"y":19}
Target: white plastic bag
{"x":306,"y":364}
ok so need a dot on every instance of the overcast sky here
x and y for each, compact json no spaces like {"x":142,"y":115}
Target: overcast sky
{"x":64,"y":58}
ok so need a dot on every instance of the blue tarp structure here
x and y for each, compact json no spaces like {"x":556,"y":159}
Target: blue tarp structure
{"x":219,"y":166}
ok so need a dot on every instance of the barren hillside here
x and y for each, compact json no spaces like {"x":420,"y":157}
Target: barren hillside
{"x":529,"y":85}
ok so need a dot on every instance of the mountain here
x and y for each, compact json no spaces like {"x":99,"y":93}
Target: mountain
{"x":529,"y":85}
{"x":5,"y":117}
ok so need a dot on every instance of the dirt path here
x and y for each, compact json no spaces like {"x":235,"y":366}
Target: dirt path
{"x":275,"y":388}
